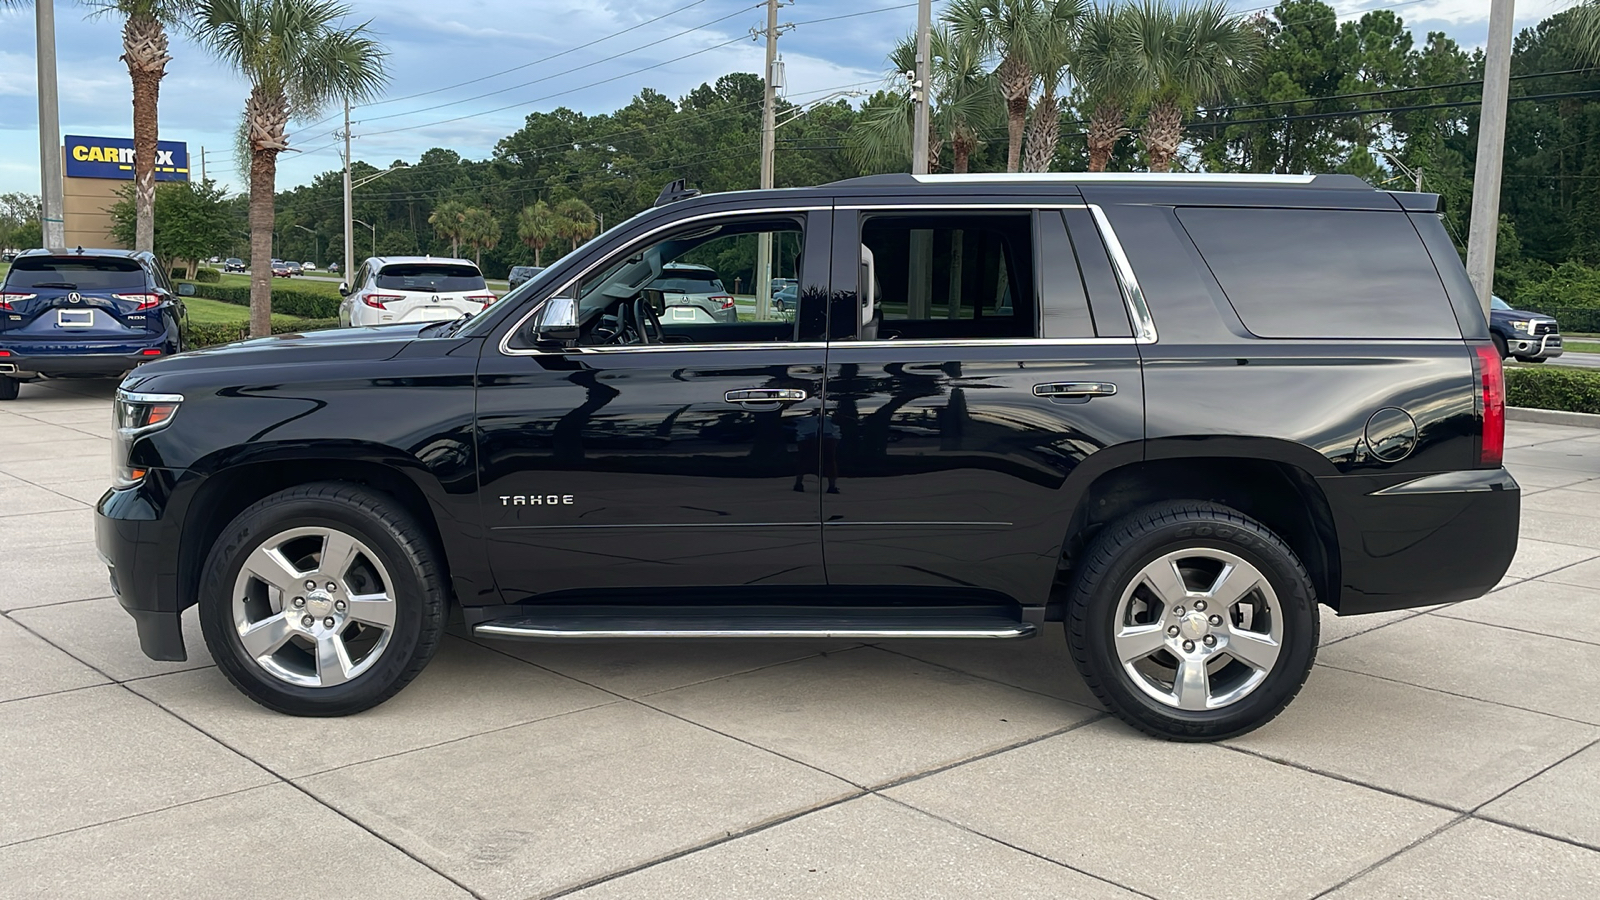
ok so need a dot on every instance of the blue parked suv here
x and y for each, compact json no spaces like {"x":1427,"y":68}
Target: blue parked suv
{"x":80,"y":312}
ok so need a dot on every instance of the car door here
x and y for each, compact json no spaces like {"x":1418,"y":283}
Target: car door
{"x":969,"y":377}
{"x":648,"y":472}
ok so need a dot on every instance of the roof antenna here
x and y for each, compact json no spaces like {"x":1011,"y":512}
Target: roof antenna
{"x":675,"y":191}
{"x":80,"y":249}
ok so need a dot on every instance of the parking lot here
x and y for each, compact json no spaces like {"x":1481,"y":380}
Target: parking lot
{"x":1451,"y":752}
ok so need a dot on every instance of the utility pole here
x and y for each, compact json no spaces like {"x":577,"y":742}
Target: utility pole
{"x":202,"y":165}
{"x":769,"y":144}
{"x":349,"y":242}
{"x":921,"y":89}
{"x":51,"y":218}
{"x":1491,"y":152}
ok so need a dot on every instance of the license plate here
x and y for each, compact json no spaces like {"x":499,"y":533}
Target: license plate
{"x":75,"y":318}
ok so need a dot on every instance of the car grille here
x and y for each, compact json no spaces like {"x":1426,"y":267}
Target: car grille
{"x":1543,"y":328}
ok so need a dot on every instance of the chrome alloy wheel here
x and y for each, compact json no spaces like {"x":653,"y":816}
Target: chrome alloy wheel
{"x":1198,"y":629}
{"x":313,"y":606}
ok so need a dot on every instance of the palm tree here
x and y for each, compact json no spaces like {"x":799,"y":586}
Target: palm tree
{"x":144,"y":49}
{"x":537,"y":226}
{"x":1180,"y":57}
{"x":577,"y":220}
{"x":1100,"y":66}
{"x":964,"y":96}
{"x":447,"y":219}
{"x":1052,"y":55}
{"x":481,"y":230}
{"x":1014,"y":31}
{"x":298,"y":56}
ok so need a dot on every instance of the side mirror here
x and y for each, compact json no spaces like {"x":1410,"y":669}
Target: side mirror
{"x":558,"y":321}
{"x":185,"y":289}
{"x":344,"y":289}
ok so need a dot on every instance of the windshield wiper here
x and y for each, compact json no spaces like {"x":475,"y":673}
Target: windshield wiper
{"x":56,"y":284}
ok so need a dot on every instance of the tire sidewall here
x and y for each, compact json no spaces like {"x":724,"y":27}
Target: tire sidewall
{"x":226,"y":559}
{"x":1289,"y":582}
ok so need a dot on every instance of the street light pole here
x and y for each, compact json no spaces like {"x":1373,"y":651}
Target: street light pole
{"x":374,"y":240}
{"x":51,"y":219}
{"x":1485,"y":227}
{"x":921,"y":90}
{"x":349,"y":239}
{"x":314,"y":236}
{"x":769,"y":144}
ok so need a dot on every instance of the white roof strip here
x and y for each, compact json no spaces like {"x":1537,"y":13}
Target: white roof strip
{"x":1115,"y":177}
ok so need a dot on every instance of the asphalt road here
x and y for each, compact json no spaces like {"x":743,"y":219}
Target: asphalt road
{"x":1580,"y":360}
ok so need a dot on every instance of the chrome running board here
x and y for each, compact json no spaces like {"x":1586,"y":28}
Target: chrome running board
{"x":599,"y":624}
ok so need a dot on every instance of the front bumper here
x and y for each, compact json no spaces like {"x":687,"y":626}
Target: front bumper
{"x":129,"y":535}
{"x":1525,"y":346}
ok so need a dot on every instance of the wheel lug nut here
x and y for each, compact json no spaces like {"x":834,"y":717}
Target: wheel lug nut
{"x":332,"y":586}
{"x":1200,"y":605}
{"x":1210,"y":640}
{"x":1216,"y":621}
{"x":1188,"y":646}
{"x":308,"y":621}
{"x":1177,"y":610}
{"x":328,"y":621}
{"x":339,"y":605}
{"x":1173,"y":631}
{"x":299,"y":602}
{"x":311,"y":585}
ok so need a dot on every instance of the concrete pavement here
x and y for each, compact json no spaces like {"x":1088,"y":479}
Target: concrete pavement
{"x":1451,"y":752}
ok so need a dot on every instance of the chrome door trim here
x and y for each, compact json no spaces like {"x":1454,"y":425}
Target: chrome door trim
{"x":1144,"y":326}
{"x":1075,"y":389}
{"x":505,"y":340}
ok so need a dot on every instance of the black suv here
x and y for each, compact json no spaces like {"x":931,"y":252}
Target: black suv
{"x":84,"y":312}
{"x":1173,"y":413}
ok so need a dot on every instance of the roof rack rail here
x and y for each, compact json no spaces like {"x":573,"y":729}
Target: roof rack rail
{"x":1343,"y":182}
{"x":675,"y":191}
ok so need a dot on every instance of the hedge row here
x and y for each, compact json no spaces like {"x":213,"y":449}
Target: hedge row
{"x":210,"y":335}
{"x":288,"y":301}
{"x":1570,"y":390}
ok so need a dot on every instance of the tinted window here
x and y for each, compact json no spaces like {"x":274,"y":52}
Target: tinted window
{"x":429,"y":277}
{"x":952,"y":276}
{"x":693,"y":283}
{"x":76,"y":273}
{"x":1293,"y":273}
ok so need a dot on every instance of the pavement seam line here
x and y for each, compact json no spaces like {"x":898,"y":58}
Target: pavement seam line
{"x":1455,"y":694}
{"x":1586,"y":643}
{"x":987,"y":678}
{"x":140,"y":815}
{"x":1346,"y":779}
{"x":1461,"y":817}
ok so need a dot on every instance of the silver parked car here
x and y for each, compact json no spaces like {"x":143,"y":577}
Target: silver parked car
{"x":694,"y":293}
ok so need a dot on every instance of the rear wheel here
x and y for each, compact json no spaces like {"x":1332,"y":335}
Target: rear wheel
{"x":1192,"y":622}
{"x":9,"y":387}
{"x":322,"y":600}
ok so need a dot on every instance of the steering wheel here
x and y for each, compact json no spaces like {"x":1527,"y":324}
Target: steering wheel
{"x":645,"y":320}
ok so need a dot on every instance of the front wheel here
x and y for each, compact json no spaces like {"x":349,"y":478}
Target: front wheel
{"x":1530,"y":359}
{"x":1192,"y":621}
{"x":1500,"y":345}
{"x":322,"y":600}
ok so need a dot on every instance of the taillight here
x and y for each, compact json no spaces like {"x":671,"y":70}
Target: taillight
{"x":1491,"y":403}
{"x":8,"y":298}
{"x":150,"y":351}
{"x":377,"y":301}
{"x":145,"y":301}
{"x":485,"y":299}
{"x":726,"y":302}
{"x":5,"y":352}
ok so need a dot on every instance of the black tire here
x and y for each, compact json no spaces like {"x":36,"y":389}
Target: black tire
{"x":1117,"y":556}
{"x":9,"y":387}
{"x":1530,"y":359}
{"x":1500,"y":345}
{"x":402,"y":548}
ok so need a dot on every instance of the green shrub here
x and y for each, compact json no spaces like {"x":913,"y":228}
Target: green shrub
{"x":1570,"y":390}
{"x":304,"y":325}
{"x":212,"y":334}
{"x":289,"y":301}
{"x":207,"y":275}
{"x":1570,"y":284}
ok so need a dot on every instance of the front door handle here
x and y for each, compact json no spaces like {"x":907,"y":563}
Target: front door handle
{"x":765,"y":397}
{"x":1074,"y":390}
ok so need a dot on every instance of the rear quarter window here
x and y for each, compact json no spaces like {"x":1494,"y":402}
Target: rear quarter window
{"x":1296,"y":273}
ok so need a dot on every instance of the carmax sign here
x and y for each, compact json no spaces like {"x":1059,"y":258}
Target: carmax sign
{"x":106,"y":157}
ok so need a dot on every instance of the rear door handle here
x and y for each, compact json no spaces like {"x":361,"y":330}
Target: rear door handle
{"x":1074,"y":390}
{"x":765,"y":396}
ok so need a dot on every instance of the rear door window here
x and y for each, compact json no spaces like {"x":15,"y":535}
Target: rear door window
{"x":1300,"y":273}
{"x":76,"y":274}
{"x":429,"y":277}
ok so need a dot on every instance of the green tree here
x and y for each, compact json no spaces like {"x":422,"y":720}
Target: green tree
{"x":449,"y":219}
{"x":1105,"y":84}
{"x":577,"y":220}
{"x":1182,"y":56}
{"x":964,"y":99}
{"x":144,"y":50}
{"x":19,"y":221}
{"x":537,"y":226}
{"x":297,"y":55}
{"x":480,"y":230}
{"x":1053,"y":53}
{"x":194,"y":221}
{"x":1014,"y":31}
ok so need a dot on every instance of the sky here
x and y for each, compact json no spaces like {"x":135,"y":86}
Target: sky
{"x":435,"y":47}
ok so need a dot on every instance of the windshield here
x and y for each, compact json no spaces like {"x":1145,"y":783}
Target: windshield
{"x":1497,"y":303}
{"x":76,"y":273}
{"x":438,"y":277}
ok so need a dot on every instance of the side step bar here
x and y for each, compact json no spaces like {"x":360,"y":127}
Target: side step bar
{"x":567,"y":625}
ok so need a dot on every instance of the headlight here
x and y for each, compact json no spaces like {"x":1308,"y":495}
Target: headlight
{"x":1519,"y":325}
{"x":135,"y":415}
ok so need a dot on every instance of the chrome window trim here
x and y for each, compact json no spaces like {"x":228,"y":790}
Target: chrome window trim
{"x":1144,"y":326}
{"x":505,"y":340}
{"x":1168,"y":178}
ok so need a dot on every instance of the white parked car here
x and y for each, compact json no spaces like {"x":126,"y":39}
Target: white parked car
{"x":309,"y":266}
{"x":387,"y":290}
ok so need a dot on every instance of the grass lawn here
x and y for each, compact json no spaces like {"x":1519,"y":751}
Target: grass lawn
{"x":215,"y":312}
{"x":329,"y":288}
{"x":1582,"y":346}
